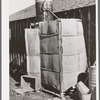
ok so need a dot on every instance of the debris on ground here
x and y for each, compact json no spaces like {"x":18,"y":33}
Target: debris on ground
{"x":23,"y":90}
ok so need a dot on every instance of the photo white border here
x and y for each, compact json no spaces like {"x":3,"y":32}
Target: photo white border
{"x":97,"y":54}
{"x":5,"y":50}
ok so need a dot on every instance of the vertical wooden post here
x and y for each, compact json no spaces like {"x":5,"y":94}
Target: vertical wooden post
{"x":60,"y":55}
{"x":14,"y":41}
{"x":10,"y":44}
{"x":24,"y":39}
{"x":15,"y":38}
{"x":74,"y":14}
{"x":20,"y":39}
{"x":89,"y":36}
{"x":81,"y":16}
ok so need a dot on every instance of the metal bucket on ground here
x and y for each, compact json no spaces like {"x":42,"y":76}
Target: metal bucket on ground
{"x":92,"y":77}
{"x":83,"y":91}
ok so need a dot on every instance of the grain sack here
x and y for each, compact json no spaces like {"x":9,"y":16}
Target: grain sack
{"x":49,"y":44}
{"x":32,"y":41}
{"x":43,"y":27}
{"x":50,"y":62}
{"x":51,"y":79}
{"x":71,"y":27}
{"x":33,"y":65}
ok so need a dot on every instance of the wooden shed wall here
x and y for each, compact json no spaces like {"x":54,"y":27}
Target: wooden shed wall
{"x":87,"y":14}
{"x":17,"y":39}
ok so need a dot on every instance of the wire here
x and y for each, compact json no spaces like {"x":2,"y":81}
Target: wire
{"x":89,"y":22}
{"x":52,"y":13}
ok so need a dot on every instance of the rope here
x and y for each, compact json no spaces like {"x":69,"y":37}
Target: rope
{"x":52,"y":13}
{"x":89,"y":22}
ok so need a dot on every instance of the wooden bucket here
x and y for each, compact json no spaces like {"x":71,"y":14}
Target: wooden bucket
{"x":93,"y":97}
{"x":92,"y":77}
{"x":85,"y":97}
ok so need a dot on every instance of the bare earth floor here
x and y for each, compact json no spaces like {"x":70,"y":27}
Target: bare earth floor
{"x":28,"y":96}
{"x":31,"y":95}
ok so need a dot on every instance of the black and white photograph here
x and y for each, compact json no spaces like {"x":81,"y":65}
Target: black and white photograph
{"x":53,"y":50}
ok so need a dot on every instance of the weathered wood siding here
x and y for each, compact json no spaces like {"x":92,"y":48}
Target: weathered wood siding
{"x":17,"y":40}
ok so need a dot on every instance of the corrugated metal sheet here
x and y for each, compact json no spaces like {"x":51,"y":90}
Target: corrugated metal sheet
{"x":58,"y":5}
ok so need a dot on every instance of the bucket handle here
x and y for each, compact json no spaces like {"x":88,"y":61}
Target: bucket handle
{"x":32,"y":24}
{"x":87,"y":69}
{"x":94,"y":63}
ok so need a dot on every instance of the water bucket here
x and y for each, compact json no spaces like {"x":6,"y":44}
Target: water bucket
{"x":82,"y":88}
{"x":85,"y":97}
{"x":92,"y":77}
{"x":93,"y":96}
{"x":83,"y":91}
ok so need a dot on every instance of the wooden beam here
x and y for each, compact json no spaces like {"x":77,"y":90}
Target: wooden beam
{"x":81,"y":16}
{"x":89,"y":36}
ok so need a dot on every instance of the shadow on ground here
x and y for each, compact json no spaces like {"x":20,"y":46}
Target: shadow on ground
{"x":16,"y":71}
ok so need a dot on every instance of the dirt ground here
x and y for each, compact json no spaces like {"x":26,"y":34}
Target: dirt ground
{"x":15,"y":74}
{"x":14,"y":79}
{"x":28,"y":96}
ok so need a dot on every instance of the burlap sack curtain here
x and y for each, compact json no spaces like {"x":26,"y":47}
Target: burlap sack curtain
{"x":33,"y":51}
{"x":63,"y":54}
{"x":56,"y":53}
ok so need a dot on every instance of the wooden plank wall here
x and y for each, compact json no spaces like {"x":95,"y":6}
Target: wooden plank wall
{"x":87,"y":14}
{"x":17,"y":40}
